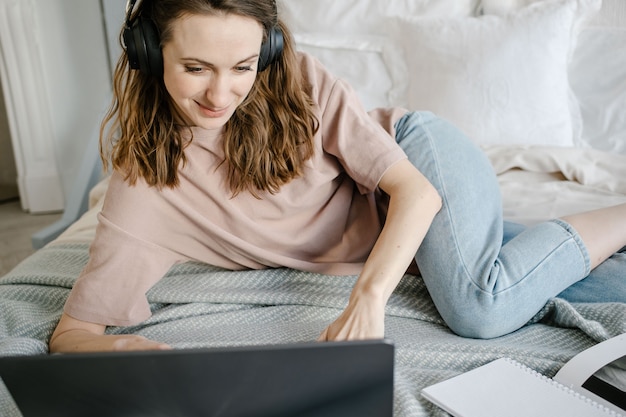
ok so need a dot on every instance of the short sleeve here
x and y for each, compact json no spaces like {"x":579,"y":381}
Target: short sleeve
{"x":121,"y":269}
{"x":363,"y":147}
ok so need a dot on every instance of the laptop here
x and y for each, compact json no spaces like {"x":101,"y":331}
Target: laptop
{"x":302,"y":379}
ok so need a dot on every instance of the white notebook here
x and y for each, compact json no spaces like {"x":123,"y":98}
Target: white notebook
{"x":505,"y":387}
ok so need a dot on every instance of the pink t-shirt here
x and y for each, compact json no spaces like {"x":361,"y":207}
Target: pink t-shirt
{"x":325,"y":221}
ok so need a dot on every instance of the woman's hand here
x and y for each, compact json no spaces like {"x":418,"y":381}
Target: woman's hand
{"x":413,"y":203}
{"x":363,"y":318}
{"x":73,"y":335}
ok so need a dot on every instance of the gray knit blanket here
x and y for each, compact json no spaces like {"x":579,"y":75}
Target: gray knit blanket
{"x":197,"y":305}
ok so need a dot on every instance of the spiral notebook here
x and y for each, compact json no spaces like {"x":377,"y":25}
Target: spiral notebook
{"x":505,"y":387}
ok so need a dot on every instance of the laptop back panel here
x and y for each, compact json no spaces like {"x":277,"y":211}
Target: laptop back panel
{"x":310,"y":379}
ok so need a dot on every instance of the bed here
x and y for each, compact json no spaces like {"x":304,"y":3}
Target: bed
{"x":540,"y":87}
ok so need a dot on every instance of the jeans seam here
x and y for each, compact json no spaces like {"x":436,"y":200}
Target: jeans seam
{"x":445,"y":204}
{"x":548,"y":255}
{"x":579,"y":243}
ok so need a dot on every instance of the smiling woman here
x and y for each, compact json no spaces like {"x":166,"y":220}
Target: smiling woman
{"x":235,"y":151}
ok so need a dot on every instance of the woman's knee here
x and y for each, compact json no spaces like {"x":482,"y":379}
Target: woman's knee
{"x":483,"y":323}
{"x":479,"y":313}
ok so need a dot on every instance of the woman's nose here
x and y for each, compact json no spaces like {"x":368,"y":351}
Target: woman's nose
{"x":217,"y":91}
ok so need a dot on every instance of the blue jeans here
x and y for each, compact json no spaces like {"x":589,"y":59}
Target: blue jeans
{"x":488,"y":277}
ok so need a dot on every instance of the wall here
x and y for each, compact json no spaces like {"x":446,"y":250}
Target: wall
{"x":114,"y":15}
{"x":77,"y":74}
{"x":56,"y":78}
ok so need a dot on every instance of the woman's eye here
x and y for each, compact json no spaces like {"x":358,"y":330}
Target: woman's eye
{"x":243,"y":68}
{"x":193,"y":69}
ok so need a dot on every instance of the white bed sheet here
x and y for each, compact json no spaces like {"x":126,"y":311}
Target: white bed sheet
{"x":541,"y":183}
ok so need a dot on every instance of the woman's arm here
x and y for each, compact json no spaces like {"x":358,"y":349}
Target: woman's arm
{"x":73,"y":335}
{"x":412,"y":206}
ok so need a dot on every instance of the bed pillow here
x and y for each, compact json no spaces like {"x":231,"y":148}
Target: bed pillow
{"x":598,"y":78}
{"x":351,"y":39}
{"x":501,"y":79}
{"x":597,"y":73}
{"x":361,"y":61}
{"x":363,"y":16}
{"x":611,"y":14}
{"x":502,"y":7}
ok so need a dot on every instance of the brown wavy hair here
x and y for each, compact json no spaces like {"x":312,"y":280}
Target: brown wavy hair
{"x":266,"y":141}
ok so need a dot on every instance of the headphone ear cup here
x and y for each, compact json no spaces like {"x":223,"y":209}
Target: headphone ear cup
{"x":143,"y":47}
{"x":271,"y":49}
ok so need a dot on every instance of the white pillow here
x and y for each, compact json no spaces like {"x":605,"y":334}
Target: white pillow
{"x":597,"y":73}
{"x":612,"y":13}
{"x":363,"y":16}
{"x":598,"y":77}
{"x":359,"y":60}
{"x":501,"y":79}
{"x":502,"y":7}
{"x":350,"y":38}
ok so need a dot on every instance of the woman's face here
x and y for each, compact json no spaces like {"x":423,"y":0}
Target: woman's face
{"x":210,"y":65}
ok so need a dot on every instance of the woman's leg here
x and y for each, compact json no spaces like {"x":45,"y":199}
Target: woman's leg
{"x":481,"y":287}
{"x":603,"y":231}
{"x":605,"y":284}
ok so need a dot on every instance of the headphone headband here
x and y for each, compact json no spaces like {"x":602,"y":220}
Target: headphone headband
{"x":130,"y":5}
{"x":142,"y":44}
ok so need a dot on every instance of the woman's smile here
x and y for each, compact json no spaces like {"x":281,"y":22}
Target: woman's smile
{"x":212,"y":112}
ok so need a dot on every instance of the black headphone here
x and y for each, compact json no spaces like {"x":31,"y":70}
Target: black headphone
{"x":143,"y":46}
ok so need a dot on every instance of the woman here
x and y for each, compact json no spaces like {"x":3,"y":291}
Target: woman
{"x":236,"y":151}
